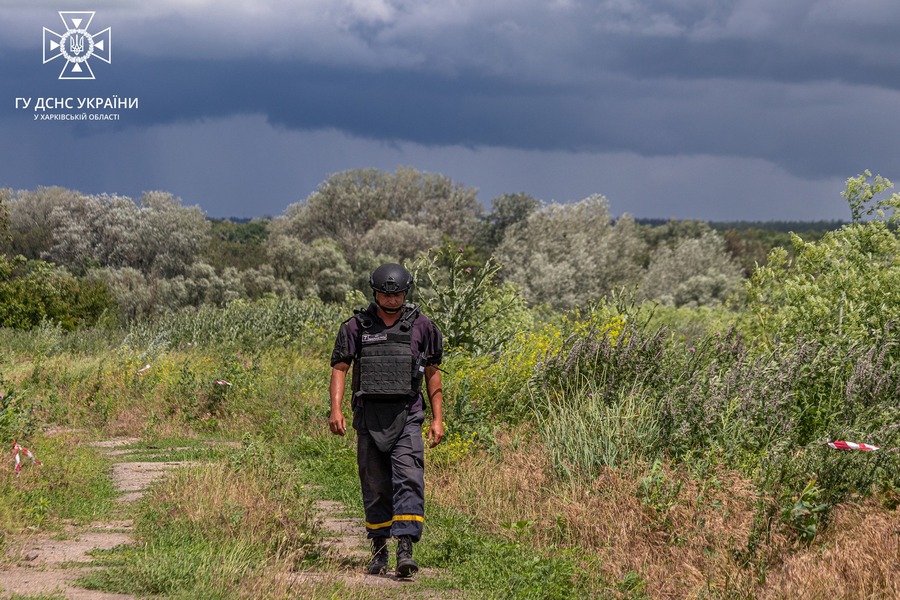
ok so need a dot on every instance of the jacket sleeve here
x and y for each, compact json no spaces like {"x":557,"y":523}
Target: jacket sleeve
{"x":435,"y":352}
{"x":345,"y":343}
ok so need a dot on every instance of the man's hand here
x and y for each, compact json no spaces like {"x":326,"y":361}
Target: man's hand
{"x":435,"y":433}
{"x":337,"y":423}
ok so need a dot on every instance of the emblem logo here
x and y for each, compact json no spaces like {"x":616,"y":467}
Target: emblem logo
{"x":76,"y":45}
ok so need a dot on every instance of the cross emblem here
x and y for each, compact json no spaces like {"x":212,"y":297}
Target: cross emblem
{"x":76,"y":45}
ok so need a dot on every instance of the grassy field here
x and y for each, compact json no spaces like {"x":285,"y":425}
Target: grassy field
{"x":593,"y":457}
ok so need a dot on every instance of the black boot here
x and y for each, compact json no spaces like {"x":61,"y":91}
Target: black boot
{"x":406,"y":566}
{"x":378,"y":564}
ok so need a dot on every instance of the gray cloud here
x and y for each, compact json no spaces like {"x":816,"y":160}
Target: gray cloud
{"x":809,"y":88}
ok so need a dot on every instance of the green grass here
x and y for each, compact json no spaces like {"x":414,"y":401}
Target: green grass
{"x":175,"y":449}
{"x":70,"y":485}
{"x":468,"y":558}
{"x":175,"y":567}
{"x":485,"y":565}
{"x":208,"y":530}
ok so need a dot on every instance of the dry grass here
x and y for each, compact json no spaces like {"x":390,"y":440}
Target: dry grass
{"x":142,"y":421}
{"x":215,"y":500}
{"x":683,"y":547}
{"x":278,"y":581}
{"x":858,"y":556}
{"x":510,"y":490}
{"x":686,"y":547}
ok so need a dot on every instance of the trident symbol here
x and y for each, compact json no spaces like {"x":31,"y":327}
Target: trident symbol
{"x":76,"y":43}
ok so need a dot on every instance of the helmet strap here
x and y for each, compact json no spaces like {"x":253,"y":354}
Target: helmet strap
{"x":389,"y":311}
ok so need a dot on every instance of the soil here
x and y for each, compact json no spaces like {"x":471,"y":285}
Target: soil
{"x":345,"y":540}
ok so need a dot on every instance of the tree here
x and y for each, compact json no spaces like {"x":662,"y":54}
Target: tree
{"x":171,"y":236}
{"x":400,"y":239}
{"x":236,"y":244}
{"x":160,"y":238}
{"x":844,"y":288}
{"x":4,"y":217}
{"x":693,"y":271}
{"x":568,"y":255}
{"x":134,"y":294}
{"x":90,"y":231}
{"x":508,"y":210}
{"x":316,"y":269}
{"x":33,"y":291}
{"x":262,"y":281}
{"x":30,"y":226}
{"x":349,"y":205}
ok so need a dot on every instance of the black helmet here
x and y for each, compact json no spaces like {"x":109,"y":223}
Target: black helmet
{"x":390,"y":278}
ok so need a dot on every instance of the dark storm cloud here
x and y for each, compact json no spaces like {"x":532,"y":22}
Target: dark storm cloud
{"x":747,"y":60}
{"x":812,"y":129}
{"x":808,"y":86}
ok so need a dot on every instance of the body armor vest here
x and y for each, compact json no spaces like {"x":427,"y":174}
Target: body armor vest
{"x":385,"y":369}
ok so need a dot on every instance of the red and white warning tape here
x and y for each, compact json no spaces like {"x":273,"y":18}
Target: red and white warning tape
{"x":17,"y":448}
{"x":222,"y":382}
{"x":842,"y":445}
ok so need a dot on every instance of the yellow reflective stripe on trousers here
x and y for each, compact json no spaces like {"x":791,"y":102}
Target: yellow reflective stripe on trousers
{"x":419,"y":518}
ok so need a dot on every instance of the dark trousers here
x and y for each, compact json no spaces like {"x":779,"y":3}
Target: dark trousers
{"x":393,"y":482}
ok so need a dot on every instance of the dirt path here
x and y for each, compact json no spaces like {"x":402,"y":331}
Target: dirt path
{"x":45,"y":564}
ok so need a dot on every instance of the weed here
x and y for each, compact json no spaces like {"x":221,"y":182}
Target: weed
{"x":631,"y":584}
{"x":658,"y":495}
{"x":805,"y":514}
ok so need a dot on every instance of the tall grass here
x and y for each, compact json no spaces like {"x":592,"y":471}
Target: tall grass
{"x":585,"y":432}
{"x":766,"y":413}
{"x":70,"y":486}
{"x":307,"y":323}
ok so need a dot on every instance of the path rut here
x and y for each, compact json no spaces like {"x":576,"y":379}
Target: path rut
{"x":48,"y":564}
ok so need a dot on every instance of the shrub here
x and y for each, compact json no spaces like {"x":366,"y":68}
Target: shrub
{"x":471,"y":307}
{"x":34,"y":291}
{"x":843,"y":289}
{"x":768,"y":414}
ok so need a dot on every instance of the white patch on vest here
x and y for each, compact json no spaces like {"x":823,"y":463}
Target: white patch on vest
{"x":374,"y":337}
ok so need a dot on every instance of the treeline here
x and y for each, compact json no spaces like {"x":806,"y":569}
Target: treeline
{"x":115,"y":256}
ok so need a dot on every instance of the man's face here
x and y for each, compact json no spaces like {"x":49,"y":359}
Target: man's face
{"x":390,"y":301}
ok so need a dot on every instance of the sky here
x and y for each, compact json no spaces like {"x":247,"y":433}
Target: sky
{"x":703,"y":109}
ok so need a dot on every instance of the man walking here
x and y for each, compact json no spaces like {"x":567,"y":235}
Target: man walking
{"x":392,"y":348}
